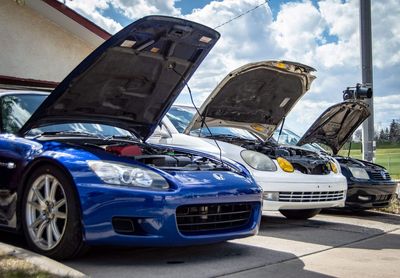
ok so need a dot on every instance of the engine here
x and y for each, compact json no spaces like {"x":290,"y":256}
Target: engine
{"x":163,"y":158}
{"x":303,"y":160}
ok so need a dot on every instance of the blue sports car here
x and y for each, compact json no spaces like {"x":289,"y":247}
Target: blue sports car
{"x":75,"y":169}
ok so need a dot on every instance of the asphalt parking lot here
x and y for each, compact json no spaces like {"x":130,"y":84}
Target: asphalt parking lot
{"x":335,"y":243}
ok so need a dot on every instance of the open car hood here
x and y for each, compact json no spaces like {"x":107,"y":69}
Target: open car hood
{"x":336,"y":124}
{"x":255,"y":97}
{"x":132,"y":79}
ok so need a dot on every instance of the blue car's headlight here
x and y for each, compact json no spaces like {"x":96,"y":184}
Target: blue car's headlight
{"x":122,"y":174}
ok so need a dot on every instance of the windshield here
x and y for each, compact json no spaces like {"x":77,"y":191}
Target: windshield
{"x":84,"y":128}
{"x":288,"y":137}
{"x":17,"y":109}
{"x":224,"y":132}
{"x":180,"y":117}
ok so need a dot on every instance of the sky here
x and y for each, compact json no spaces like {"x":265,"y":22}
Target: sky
{"x":322,"y":34}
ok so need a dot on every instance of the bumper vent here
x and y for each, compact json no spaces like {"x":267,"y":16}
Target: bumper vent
{"x":212,"y":218}
{"x":383,"y":198}
{"x":310,"y":197}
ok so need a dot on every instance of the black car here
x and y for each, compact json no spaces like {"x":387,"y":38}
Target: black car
{"x":369,"y":184}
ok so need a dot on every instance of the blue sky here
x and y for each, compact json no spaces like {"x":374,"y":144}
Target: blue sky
{"x":323,"y":34}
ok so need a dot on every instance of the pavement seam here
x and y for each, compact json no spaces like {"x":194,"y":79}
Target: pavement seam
{"x":310,"y":254}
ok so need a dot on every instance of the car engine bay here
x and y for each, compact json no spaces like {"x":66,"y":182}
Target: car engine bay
{"x":303,"y":160}
{"x":151,"y":155}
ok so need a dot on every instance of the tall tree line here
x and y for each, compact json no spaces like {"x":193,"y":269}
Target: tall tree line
{"x":389,"y":134}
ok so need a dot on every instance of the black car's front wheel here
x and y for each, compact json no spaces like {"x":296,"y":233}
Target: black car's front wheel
{"x":300,"y":213}
{"x":50,"y":214}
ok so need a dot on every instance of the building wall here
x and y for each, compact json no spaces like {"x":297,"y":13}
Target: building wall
{"x":34,"y":47}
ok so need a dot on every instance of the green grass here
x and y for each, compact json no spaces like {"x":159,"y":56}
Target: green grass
{"x":394,"y":207}
{"x":387,"y":155}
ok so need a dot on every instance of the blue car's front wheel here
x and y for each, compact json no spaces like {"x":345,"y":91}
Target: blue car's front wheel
{"x":51,"y":218}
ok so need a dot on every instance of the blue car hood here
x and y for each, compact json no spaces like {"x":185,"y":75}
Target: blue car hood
{"x":132,"y":79}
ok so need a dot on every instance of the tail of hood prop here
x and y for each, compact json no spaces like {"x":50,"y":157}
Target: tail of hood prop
{"x":128,"y":81}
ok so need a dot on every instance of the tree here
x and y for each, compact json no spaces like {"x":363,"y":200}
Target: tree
{"x":394,"y":132}
{"x":382,"y":136}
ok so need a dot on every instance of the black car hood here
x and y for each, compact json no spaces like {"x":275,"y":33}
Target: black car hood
{"x":132,"y":79}
{"x":255,"y":97}
{"x":336,"y":125}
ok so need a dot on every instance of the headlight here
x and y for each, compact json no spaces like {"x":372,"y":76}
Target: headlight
{"x":359,"y":173}
{"x":258,"y":161}
{"x":285,"y":165}
{"x":334,"y":167}
{"x":120,"y":174}
{"x":271,"y":196}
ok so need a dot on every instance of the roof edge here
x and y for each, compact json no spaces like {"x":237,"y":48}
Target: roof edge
{"x":91,"y":26}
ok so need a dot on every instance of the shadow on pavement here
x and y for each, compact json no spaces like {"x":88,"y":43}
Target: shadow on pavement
{"x":193,"y":261}
{"x":196,"y":261}
{"x":327,"y":232}
{"x":13,"y":239}
{"x":372,"y":215}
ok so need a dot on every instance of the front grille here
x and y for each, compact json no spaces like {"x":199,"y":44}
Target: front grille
{"x":383,"y":198}
{"x":312,"y":169}
{"x":378,"y":175}
{"x":307,"y":197}
{"x":211,"y":218}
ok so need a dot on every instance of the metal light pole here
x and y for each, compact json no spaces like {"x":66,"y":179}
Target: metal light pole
{"x":366,"y":65}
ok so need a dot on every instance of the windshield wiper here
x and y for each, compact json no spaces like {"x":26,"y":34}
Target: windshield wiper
{"x":121,"y":137}
{"x":222,"y":136}
{"x":70,"y":133}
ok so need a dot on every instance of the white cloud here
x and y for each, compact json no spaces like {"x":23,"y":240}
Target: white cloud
{"x":135,"y":9}
{"x":298,"y":28}
{"x":242,"y":41}
{"x":93,"y":9}
{"x":386,"y":33}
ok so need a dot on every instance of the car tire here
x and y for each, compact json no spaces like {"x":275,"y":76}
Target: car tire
{"x":300,"y":213}
{"x":50,"y":214}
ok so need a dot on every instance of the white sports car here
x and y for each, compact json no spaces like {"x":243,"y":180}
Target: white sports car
{"x":240,"y":116}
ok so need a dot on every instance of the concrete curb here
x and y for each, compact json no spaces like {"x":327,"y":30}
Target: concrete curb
{"x":41,"y":262}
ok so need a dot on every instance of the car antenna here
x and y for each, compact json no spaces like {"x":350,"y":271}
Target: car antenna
{"x":171,"y":66}
{"x":280,"y":130}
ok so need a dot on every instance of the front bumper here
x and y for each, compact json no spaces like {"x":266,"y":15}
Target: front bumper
{"x":310,"y":192}
{"x":370,"y":195}
{"x":153,"y":214}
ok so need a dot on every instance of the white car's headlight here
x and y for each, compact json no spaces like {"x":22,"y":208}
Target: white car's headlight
{"x":258,"y":161}
{"x":120,"y":174}
{"x":359,"y":173}
{"x":335,"y":166}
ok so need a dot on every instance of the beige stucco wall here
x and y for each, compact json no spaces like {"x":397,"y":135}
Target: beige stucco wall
{"x":33,"y":47}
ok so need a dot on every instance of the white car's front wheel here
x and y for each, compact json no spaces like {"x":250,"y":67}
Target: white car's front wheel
{"x":299,"y":213}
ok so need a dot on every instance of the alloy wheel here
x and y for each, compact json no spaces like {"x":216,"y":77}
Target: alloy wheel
{"x":46,"y":212}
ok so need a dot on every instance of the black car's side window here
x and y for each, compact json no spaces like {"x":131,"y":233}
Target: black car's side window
{"x":17,"y":109}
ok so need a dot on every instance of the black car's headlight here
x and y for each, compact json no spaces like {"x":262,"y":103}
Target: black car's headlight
{"x":258,"y":161}
{"x":359,"y":173}
{"x":126,"y":175}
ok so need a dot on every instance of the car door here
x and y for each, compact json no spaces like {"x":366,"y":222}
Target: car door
{"x":16,"y":108}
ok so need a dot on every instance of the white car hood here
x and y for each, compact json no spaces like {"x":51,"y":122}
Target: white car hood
{"x":255,"y":97}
